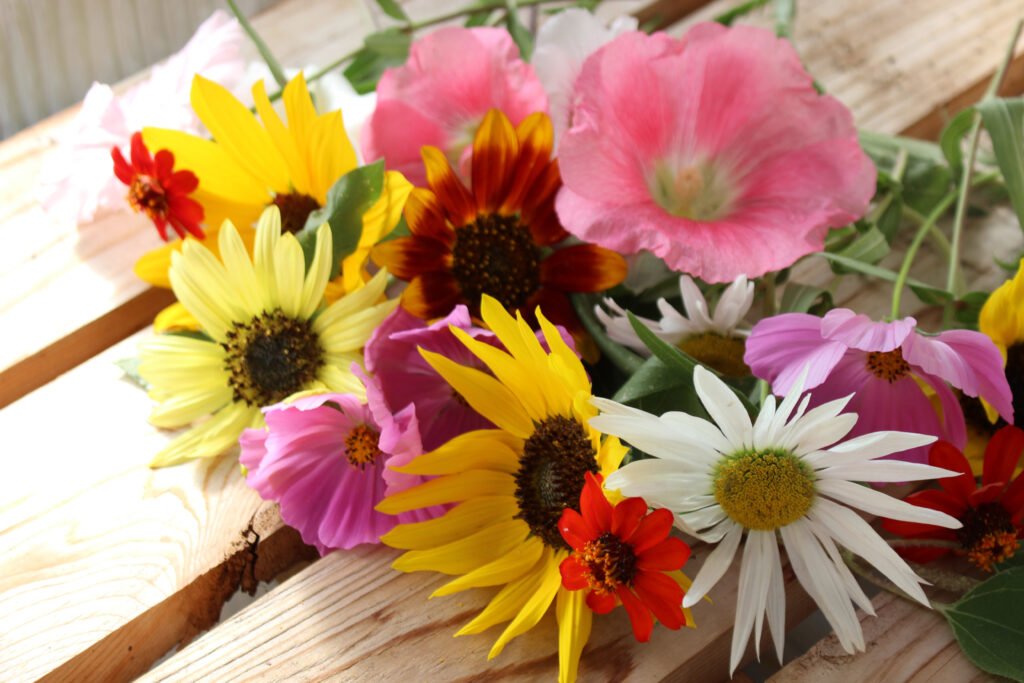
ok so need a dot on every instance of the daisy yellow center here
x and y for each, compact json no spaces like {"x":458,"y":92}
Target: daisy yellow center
{"x":696,"y":192}
{"x":1015,"y":376}
{"x":295,"y":208}
{"x":988,"y":535}
{"x":146,"y":195}
{"x":888,"y":365}
{"x":724,"y":354}
{"x":551,"y":476}
{"x":610,"y":562}
{"x":764,"y":490}
{"x":496,"y":255}
{"x":271,"y":357}
{"x":361,"y":446}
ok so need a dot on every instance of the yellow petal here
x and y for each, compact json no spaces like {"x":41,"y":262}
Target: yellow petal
{"x":209,"y":438}
{"x":574,"y":621}
{"x":459,"y":522}
{"x":526,"y":386}
{"x":174,"y":317}
{"x":449,"y":489}
{"x":535,"y":607}
{"x":378,"y":222}
{"x":290,"y":270}
{"x":466,"y":554}
{"x":319,"y":272}
{"x":510,"y":599}
{"x":330,"y":154}
{"x":484,"y":449}
{"x":508,"y":567}
{"x":281,"y":136}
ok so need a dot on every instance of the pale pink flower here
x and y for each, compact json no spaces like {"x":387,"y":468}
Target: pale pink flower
{"x":78,"y":183}
{"x":884,"y":365}
{"x":452,"y":78}
{"x":713,"y":151}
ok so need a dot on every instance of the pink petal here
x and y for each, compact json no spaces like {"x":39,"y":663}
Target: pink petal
{"x":780,"y":347}
{"x":860,"y":332}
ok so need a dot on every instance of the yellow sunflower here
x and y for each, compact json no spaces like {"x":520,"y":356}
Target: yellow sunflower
{"x":511,"y":483}
{"x":252,"y":164}
{"x":269,"y":336}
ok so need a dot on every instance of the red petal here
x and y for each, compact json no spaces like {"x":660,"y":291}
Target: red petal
{"x":124,"y":172}
{"x":669,"y":555}
{"x":600,"y":603}
{"x":454,"y":196}
{"x":986,"y":493}
{"x":407,"y":257}
{"x":574,"y":574}
{"x":596,"y":509}
{"x":583,"y":268}
{"x":575,"y":529}
{"x":536,"y":138}
{"x":185,"y":209}
{"x":141,"y":161}
{"x":626,"y":517}
{"x":161,"y":226}
{"x":431,"y":295}
{"x":425,"y":216}
{"x":946,"y":455}
{"x":639,"y":616}
{"x":495,"y":150}
{"x":181,"y":182}
{"x":663,"y":596}
{"x":1002,"y":454}
{"x":652,"y":530}
{"x":1013,"y":499}
{"x":164,"y":165}
{"x":545,"y":228}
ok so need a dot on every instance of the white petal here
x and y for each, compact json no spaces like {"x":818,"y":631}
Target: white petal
{"x":880,"y":444}
{"x":675,"y":323}
{"x":776,"y":603}
{"x":724,"y":408}
{"x":751,"y":594}
{"x":884,"y":470}
{"x":695,"y":304}
{"x":673,"y":439}
{"x":883,"y":505}
{"x":852,"y":587}
{"x":704,"y":517}
{"x":820,"y":427}
{"x":714,"y":566}
{"x":733,"y":305}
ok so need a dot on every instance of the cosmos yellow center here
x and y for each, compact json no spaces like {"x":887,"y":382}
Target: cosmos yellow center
{"x":361,"y":446}
{"x":610,"y":563}
{"x":764,"y":490}
{"x":295,"y":208}
{"x":496,"y":255}
{"x":724,"y":354}
{"x":888,"y":365}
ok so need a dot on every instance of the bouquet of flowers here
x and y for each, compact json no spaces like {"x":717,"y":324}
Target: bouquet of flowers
{"x":535,"y":323}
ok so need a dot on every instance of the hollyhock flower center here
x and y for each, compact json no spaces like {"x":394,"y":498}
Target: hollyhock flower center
{"x":496,"y":255}
{"x":610,"y":562}
{"x":697,"y":192}
{"x":724,"y":354}
{"x":145,"y":194}
{"x":988,"y":535}
{"x":361,"y":446}
{"x":551,"y":476}
{"x":765,"y":489}
{"x":888,"y":365}
{"x":271,"y":357}
{"x":295,"y":209}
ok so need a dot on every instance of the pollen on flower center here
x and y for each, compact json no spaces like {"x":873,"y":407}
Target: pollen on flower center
{"x":496,"y":255}
{"x":551,"y":476}
{"x":271,"y":357}
{"x":146,"y":195}
{"x":764,"y":490}
{"x":361,"y":446}
{"x":988,"y":535}
{"x":888,"y":365}
{"x":724,"y":354}
{"x":295,"y":208}
{"x":610,"y":562}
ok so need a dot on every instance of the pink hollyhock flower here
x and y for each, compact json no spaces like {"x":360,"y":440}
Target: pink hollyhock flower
{"x":884,"y":364}
{"x":453,"y":77}
{"x":78,"y":183}
{"x":323,"y":459}
{"x":713,"y":151}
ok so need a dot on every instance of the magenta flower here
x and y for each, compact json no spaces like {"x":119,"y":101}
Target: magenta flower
{"x":322,"y":458}
{"x":884,"y":365}
{"x":439,"y":97}
{"x":713,"y":151}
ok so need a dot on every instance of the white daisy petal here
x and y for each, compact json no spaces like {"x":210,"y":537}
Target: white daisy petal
{"x":704,"y":517}
{"x":853,"y":588}
{"x":724,"y":407}
{"x":879,"y":444}
{"x":670,"y":439}
{"x":883,"y":505}
{"x":714,"y":566}
{"x":776,"y":603}
{"x":885,"y":471}
{"x":751,"y":595}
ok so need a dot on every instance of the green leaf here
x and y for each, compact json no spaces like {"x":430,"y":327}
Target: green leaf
{"x":870,"y":247}
{"x":478,"y":18}
{"x":951,"y":137}
{"x":1015,"y":560}
{"x":623,"y":358}
{"x":800,"y":298}
{"x":927,"y":293}
{"x":987,"y":623}
{"x":1004,"y":120}
{"x":889,"y":221}
{"x":391,"y":43}
{"x":657,"y":390}
{"x":347,"y":200}
{"x":967,"y":309}
{"x":393,"y":10}
{"x":520,"y":34}
{"x":366,"y":68}
{"x":130,"y":367}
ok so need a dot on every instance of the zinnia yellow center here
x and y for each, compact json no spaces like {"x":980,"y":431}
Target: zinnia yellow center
{"x":361,"y":446}
{"x":724,"y":354}
{"x":610,"y":563}
{"x":888,"y":365}
{"x":764,"y":490}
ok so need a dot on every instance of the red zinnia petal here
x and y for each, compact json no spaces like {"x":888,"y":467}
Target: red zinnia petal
{"x":986,"y":493}
{"x":669,"y":555}
{"x":596,"y":509}
{"x":122,"y":169}
{"x":164,"y":165}
{"x":574,"y":575}
{"x":652,"y":530}
{"x":575,"y":529}
{"x":583,"y":268}
{"x":407,"y":257}
{"x":601,"y":603}
{"x":946,"y":455}
{"x":184,"y":182}
{"x":663,"y":596}
{"x":141,"y":160}
{"x":626,"y":517}
{"x":161,"y":226}
{"x":1002,"y":454}
{"x":639,"y":615}
{"x":1013,"y":499}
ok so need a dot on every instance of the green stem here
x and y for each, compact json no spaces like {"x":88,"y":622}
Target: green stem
{"x":268,"y":56}
{"x":735,"y":13}
{"x":851,"y":561}
{"x":944,"y":580}
{"x":908,"y":259}
{"x":770,"y":303}
{"x":923,"y":543}
{"x":785,"y":15}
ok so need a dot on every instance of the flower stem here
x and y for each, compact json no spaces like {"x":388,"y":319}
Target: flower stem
{"x":261,"y":47}
{"x":944,"y":580}
{"x":735,"y":13}
{"x":923,"y":543}
{"x":908,"y":259}
{"x":851,"y":561}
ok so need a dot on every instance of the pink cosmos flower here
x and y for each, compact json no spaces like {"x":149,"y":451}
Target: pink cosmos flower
{"x":884,"y":364}
{"x":440,"y":95}
{"x":713,"y":151}
{"x":323,"y":459}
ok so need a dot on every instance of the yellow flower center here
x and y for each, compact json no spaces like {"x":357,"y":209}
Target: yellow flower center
{"x":610,"y":563}
{"x":988,"y":535}
{"x":724,"y":354}
{"x":146,"y":195}
{"x":888,"y":365}
{"x":764,"y":490}
{"x":295,"y":208}
{"x":361,"y":446}
{"x":496,"y":255}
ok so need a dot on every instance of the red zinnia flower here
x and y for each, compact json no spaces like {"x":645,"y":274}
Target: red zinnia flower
{"x":992,"y":514}
{"x":155,"y":188}
{"x":622,"y":552}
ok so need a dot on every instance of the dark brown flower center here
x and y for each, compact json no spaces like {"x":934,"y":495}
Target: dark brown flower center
{"x":988,"y":535}
{"x":1015,"y":377}
{"x":496,"y":255}
{"x":610,"y":562}
{"x":271,"y":357}
{"x":146,"y":195}
{"x":888,"y":365}
{"x":361,"y":446}
{"x":551,"y":476}
{"x":295,"y":209}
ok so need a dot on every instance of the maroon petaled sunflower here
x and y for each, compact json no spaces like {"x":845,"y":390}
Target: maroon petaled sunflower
{"x":500,"y":237}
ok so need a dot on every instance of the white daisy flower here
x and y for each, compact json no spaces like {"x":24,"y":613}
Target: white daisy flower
{"x":787,"y":472}
{"x":711,"y":338}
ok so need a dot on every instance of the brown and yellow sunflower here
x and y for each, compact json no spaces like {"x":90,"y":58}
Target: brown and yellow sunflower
{"x":498,"y":237}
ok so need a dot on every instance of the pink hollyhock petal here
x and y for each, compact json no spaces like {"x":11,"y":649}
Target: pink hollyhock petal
{"x":780,"y":347}
{"x":452,"y":78}
{"x":861,"y":332}
{"x":714,"y":149}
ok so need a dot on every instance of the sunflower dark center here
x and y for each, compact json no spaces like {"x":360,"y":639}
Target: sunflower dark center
{"x":610,"y":562}
{"x":888,"y":365}
{"x":1015,"y":377}
{"x":496,"y":255}
{"x":361,"y":446}
{"x":295,"y":209}
{"x":551,"y":476}
{"x":988,"y":535}
{"x":271,"y":357}
{"x":146,"y":195}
